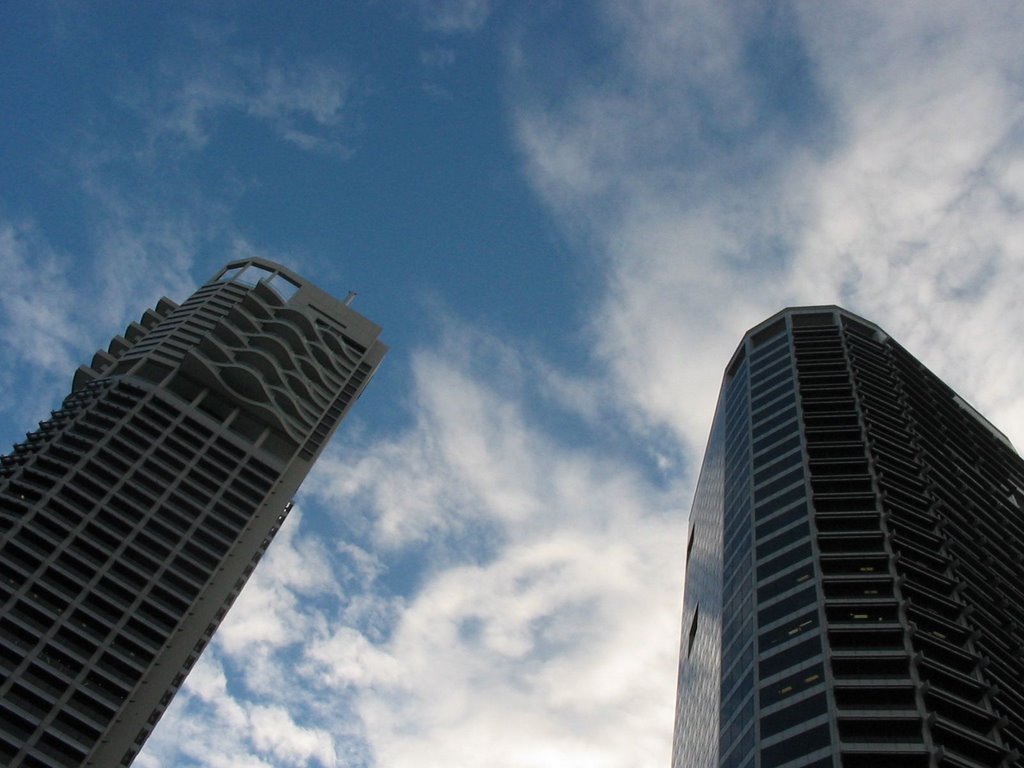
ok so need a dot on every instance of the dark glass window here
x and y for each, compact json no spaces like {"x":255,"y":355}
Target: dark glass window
{"x":769,"y":507}
{"x":786,"y":559}
{"x":769,"y":348}
{"x":790,"y":657}
{"x":786,"y":632}
{"x":771,"y":377}
{"x":777,"y":523}
{"x":743,"y":745}
{"x":768,"y":438}
{"x":778,"y":460}
{"x":801,"y":744}
{"x":784,"y":583}
{"x":780,"y":483}
{"x":767,"y":373}
{"x":735,"y":667}
{"x":792,"y":685}
{"x":787,"y":606}
{"x":793,"y":715}
{"x":773,"y":401}
{"x":737,"y":540}
{"x":771,"y":546}
{"x":775,"y":420}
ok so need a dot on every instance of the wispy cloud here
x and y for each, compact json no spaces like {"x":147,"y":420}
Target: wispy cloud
{"x":435,"y":61}
{"x":37,"y":300}
{"x":530,"y":652}
{"x":40,"y":323}
{"x":554,"y":564}
{"x":304,"y":102}
{"x":478,"y":455}
{"x":453,"y":16}
{"x":437,"y":57}
{"x":542,"y":624}
{"x":248,"y":701}
{"x":887,"y":184}
{"x":209,"y":728}
{"x":143,"y":250}
{"x":266,"y":614}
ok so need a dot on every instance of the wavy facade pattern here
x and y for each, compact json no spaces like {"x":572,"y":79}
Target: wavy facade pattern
{"x":131,"y":519}
{"x":866,"y":535}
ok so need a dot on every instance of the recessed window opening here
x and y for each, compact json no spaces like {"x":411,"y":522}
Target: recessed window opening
{"x":693,"y":631}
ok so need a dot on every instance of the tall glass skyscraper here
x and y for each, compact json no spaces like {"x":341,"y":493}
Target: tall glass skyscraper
{"x":855,"y":564}
{"x":131,"y":519}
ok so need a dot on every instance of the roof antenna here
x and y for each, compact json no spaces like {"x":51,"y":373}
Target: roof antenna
{"x":349,"y":298}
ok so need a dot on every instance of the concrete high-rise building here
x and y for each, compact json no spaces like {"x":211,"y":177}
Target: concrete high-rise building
{"x":131,"y":519}
{"x":855,"y":564}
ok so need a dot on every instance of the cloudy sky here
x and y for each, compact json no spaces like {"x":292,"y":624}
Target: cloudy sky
{"x":564,"y":215}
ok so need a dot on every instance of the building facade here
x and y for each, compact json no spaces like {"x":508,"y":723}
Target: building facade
{"x":855,"y":564}
{"x":131,"y":519}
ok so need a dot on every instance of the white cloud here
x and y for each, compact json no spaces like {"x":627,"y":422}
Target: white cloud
{"x":348,"y":658}
{"x":142,"y":254}
{"x":44,"y":328}
{"x":304,"y":102}
{"x":473,"y":459}
{"x":37,"y":304}
{"x":541,"y":651}
{"x":275,"y":732}
{"x":545,"y":656}
{"x":206,"y":726}
{"x":666,"y":165}
{"x":265,"y":716}
{"x":266,"y":615}
{"x":710,"y":213}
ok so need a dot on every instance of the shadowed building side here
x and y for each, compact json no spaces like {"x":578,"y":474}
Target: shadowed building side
{"x":865,"y":534}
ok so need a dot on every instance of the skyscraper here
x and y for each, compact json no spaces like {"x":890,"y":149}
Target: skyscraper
{"x":131,"y":519}
{"x":855,"y":569}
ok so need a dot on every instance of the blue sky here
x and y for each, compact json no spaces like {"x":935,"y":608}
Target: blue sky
{"x":564,"y":215}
